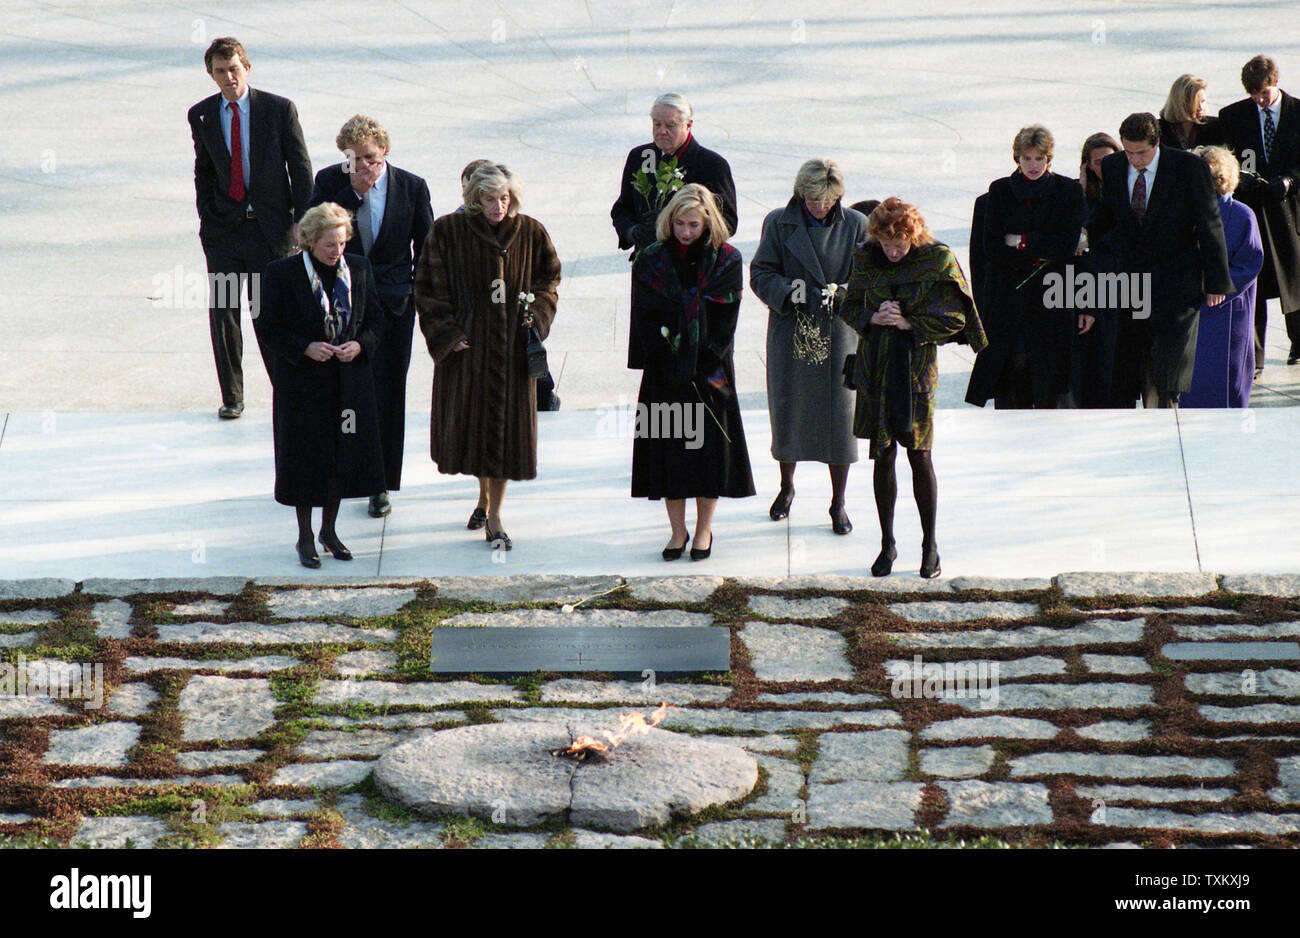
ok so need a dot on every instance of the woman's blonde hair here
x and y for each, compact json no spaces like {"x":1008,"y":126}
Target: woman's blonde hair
{"x":489,"y":180}
{"x":1033,"y":137}
{"x":357,"y":130}
{"x":693,"y":195}
{"x":1181,"y":104}
{"x":896,"y":220}
{"x":819,"y":180}
{"x":1224,"y":168}
{"x":319,"y":219}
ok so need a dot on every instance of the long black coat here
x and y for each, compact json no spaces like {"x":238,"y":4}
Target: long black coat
{"x":1206,"y":134}
{"x":324,"y":416}
{"x":1279,"y":220}
{"x":407,"y":219}
{"x":1179,"y":243}
{"x":1051,"y":222}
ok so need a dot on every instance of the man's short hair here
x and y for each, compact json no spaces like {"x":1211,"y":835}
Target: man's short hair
{"x":1140,"y":128}
{"x":675,"y":101}
{"x":1259,"y":73}
{"x":225,"y":47}
{"x":357,"y":130}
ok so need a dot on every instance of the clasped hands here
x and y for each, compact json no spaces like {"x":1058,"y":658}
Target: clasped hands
{"x":890,"y":314}
{"x":323,"y":351}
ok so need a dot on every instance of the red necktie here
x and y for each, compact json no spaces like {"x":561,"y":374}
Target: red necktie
{"x":236,"y":155}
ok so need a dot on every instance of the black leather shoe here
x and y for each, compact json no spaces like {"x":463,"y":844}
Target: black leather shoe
{"x":380,"y":505}
{"x":307,"y":556}
{"x":230,"y":411}
{"x":781,"y":507}
{"x":697,"y":554}
{"x":1293,"y":356}
{"x":930,"y":563}
{"x":674,"y":553}
{"x":477,"y":519}
{"x":840,"y":522}
{"x":885,"y":562}
{"x":334,"y":547}
{"x":499,"y":538}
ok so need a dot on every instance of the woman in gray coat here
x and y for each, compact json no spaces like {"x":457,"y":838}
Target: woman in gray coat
{"x":800,"y":271}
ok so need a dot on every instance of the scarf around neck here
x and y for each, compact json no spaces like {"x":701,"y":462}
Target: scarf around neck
{"x":335,"y":315}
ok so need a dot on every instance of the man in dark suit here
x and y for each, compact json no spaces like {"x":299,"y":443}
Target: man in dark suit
{"x":1159,"y":216}
{"x":393,"y":217}
{"x":252,"y":179}
{"x":634,"y":215}
{"x":1264,"y":133}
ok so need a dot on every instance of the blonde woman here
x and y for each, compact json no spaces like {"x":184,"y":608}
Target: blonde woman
{"x":1183,"y":123}
{"x":686,"y":290}
{"x":322,"y":320}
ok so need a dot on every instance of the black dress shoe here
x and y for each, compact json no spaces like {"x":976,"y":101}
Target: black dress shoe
{"x":334,"y":547}
{"x":674,"y":553}
{"x":1293,"y":356}
{"x":477,"y":519}
{"x":307,"y":556}
{"x":499,"y":538}
{"x":781,"y":507}
{"x":697,"y":554}
{"x":379,"y":505}
{"x":230,"y":411}
{"x":885,"y":562}
{"x":840,"y":522}
{"x":930,"y":563}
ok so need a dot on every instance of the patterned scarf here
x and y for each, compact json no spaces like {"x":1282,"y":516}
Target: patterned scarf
{"x":336,"y":319}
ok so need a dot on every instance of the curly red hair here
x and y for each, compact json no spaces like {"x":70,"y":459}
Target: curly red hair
{"x":896,"y":220}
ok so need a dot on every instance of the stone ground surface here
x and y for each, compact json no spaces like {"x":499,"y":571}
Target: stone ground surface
{"x":1049,"y":713}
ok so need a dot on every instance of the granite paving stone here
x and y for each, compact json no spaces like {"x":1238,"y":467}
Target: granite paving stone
{"x":1119,"y":766}
{"x":675,"y":590}
{"x":784,"y":779}
{"x":1263,"y":584}
{"x":973,"y":803}
{"x":112,"y":619}
{"x":834,"y":583}
{"x":217,"y":759}
{"x":338,"y":774}
{"x":836,"y":698}
{"x":741,"y":833}
{"x":996,"y":726}
{"x":111,"y":781}
{"x":590,"y":618}
{"x":599,"y":840}
{"x":868,"y":805}
{"x":320,"y":580}
{"x":202,"y":607}
{"x":1237,"y":630}
{"x":1093,"y":632}
{"x":116,"y":833}
{"x":1116,"y":664}
{"x":255,"y":633}
{"x":214,"y":707}
{"x":946,"y":611}
{"x":1152,"y":794}
{"x":12,"y":817}
{"x":775,"y":607}
{"x":1060,"y":696}
{"x":901,"y":670}
{"x":102,"y":744}
{"x":216,"y":585}
{"x":280,"y":807}
{"x":528,"y":588}
{"x":261,"y":664}
{"x":1136,"y":584}
{"x":572,"y":690}
{"x":1288,"y":777}
{"x":1231,"y":651}
{"x":770,"y":743}
{"x":1274,"y":682}
{"x":39,"y":588}
{"x":1249,"y":823}
{"x":781,"y":653}
{"x":365,"y":663}
{"x":30,"y":617}
{"x":361,"y":831}
{"x":957,"y":761}
{"x":262,"y":835}
{"x":131,"y":700}
{"x":511,"y":842}
{"x":360,"y":603}
{"x":1000,"y":584}
{"x":878,"y":756}
{"x":329,"y":744}
{"x":394,"y":720}
{"x":1116,"y":731}
{"x":1255,"y":713}
{"x":19,"y":640}
{"x":421,"y":694}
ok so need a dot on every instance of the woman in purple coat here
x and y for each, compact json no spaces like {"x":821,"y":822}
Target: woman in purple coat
{"x":1225,"y":341}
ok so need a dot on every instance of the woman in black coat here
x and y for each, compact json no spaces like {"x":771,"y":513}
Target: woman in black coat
{"x":321,"y":316}
{"x":1031,"y":229}
{"x":1092,"y":355}
{"x":689,"y":441}
{"x":1183,"y":123}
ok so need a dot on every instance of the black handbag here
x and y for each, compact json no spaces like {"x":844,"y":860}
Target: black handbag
{"x":534,"y":355}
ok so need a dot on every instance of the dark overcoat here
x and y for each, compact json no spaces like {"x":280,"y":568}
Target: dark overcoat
{"x":810,"y":408}
{"x":1180,"y":244}
{"x":1050,"y":219}
{"x":1279,"y":219}
{"x":406,"y":222}
{"x":467,"y":286}
{"x":325,"y":421}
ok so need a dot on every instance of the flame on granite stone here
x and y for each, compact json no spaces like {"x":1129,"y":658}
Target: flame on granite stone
{"x":629,"y":724}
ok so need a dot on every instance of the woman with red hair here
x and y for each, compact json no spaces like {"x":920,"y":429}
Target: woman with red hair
{"x":907,"y":295}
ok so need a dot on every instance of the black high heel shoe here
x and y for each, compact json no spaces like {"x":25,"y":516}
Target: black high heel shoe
{"x":675,"y":553}
{"x":497,"y":537}
{"x":930,"y":563}
{"x":477,"y":519}
{"x":697,"y":554}
{"x":840,"y":522}
{"x":885,"y":562}
{"x":334,"y":547}
{"x":307,"y":555}
{"x":781,"y":507}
